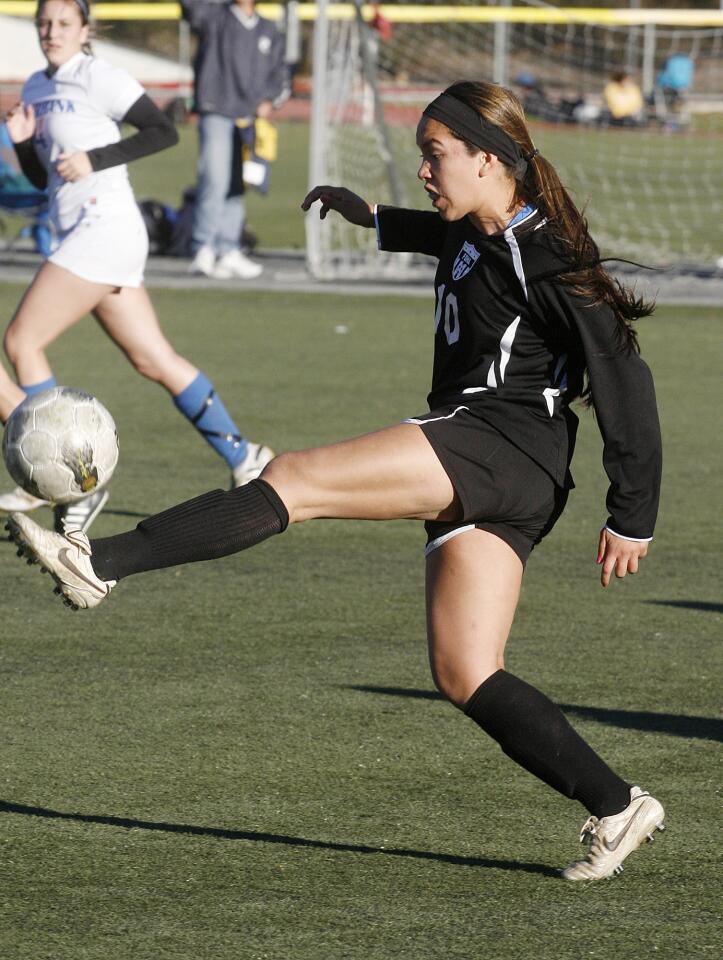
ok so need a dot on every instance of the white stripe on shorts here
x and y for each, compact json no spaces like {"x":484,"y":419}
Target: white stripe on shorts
{"x":433,"y":544}
{"x":433,"y":419}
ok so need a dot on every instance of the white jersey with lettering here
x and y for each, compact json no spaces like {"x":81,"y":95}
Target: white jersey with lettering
{"x":99,"y":231}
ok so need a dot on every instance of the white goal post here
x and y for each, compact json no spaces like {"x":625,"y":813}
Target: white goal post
{"x":651,"y":189}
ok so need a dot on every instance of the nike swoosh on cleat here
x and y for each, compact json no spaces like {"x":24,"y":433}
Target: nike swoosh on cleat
{"x":63,"y":557}
{"x":612,"y":845}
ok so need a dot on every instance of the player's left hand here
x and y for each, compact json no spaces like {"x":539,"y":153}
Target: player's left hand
{"x":619,"y":555}
{"x":73,"y":166}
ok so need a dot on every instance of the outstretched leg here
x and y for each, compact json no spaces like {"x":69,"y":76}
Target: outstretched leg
{"x":393,"y":473}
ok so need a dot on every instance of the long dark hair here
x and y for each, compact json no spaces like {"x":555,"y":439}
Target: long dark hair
{"x":541,"y":186}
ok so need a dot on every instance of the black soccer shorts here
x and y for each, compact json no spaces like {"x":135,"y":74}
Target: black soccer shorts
{"x":500,"y":488}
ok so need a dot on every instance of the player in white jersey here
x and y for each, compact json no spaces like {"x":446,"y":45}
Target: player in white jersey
{"x":67,"y":138}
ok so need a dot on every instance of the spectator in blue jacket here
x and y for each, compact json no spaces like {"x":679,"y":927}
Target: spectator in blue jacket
{"x":240,"y":74}
{"x":673,"y":83}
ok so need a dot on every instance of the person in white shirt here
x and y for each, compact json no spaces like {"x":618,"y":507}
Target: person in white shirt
{"x":67,"y":138}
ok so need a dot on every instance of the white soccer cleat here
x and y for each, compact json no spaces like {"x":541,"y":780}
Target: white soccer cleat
{"x":81,"y":513}
{"x":251,"y":466}
{"x":611,"y":839}
{"x":203,"y":263}
{"x":236,"y":265}
{"x":20,"y":501}
{"x":66,"y":557}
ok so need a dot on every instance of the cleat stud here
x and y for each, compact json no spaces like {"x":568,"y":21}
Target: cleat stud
{"x":56,"y":591}
{"x":651,"y":838}
{"x":618,"y":869}
{"x":660,"y":826}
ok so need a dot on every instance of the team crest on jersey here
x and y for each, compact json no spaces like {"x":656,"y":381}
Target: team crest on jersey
{"x":466,"y":259}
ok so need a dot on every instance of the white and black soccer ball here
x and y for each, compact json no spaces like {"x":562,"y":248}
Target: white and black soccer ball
{"x":60,"y":445}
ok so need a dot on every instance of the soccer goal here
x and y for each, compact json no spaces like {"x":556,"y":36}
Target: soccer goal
{"x":650,"y":184}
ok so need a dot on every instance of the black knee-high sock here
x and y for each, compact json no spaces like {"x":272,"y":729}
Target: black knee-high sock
{"x":533,"y":731}
{"x":205,"y":528}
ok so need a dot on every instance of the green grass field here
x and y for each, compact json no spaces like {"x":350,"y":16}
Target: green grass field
{"x":245,"y":760}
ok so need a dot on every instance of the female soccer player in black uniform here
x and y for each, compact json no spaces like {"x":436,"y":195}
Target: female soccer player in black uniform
{"x":523,"y":309}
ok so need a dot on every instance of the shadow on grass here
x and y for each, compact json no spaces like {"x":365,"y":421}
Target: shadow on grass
{"x":705,"y":605}
{"x":257,"y":837}
{"x":674,"y":724}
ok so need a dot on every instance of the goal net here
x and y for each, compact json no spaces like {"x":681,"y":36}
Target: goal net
{"x":650,"y":184}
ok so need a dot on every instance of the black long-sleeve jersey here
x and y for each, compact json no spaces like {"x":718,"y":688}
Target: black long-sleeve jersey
{"x":512,"y":343}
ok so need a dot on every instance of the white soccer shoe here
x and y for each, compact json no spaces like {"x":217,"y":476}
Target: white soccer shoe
{"x":252,"y":464}
{"x":236,"y":265}
{"x":20,"y":501}
{"x":66,"y":557}
{"x":203,"y":263}
{"x":611,"y":839}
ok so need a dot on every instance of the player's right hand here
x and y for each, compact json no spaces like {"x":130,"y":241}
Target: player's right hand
{"x":352,"y":207}
{"x":20,"y":122}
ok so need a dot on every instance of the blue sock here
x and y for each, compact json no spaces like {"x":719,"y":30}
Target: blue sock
{"x":200,"y":404}
{"x":32,"y":388}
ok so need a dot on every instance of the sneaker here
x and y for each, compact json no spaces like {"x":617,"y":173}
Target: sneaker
{"x":611,"y":839}
{"x":81,"y":513}
{"x":66,"y":557}
{"x":203,"y":263}
{"x":235,"y":264}
{"x":20,"y":501}
{"x":251,"y":466}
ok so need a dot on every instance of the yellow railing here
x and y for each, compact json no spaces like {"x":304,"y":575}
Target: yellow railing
{"x":413,"y":13}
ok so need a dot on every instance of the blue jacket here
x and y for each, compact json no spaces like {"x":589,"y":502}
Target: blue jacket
{"x":236,"y":67}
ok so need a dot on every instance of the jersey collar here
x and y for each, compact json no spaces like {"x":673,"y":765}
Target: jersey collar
{"x":68,"y":65}
{"x":526,"y":219}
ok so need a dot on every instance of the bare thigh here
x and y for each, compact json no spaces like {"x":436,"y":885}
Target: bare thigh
{"x":129,"y":319}
{"x":390,"y":474}
{"x":473,"y":585}
{"x":54,"y":301}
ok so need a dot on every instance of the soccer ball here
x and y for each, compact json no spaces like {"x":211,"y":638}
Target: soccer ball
{"x":60,"y":445}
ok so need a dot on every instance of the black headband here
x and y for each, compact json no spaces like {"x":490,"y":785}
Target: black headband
{"x":471,"y":126}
